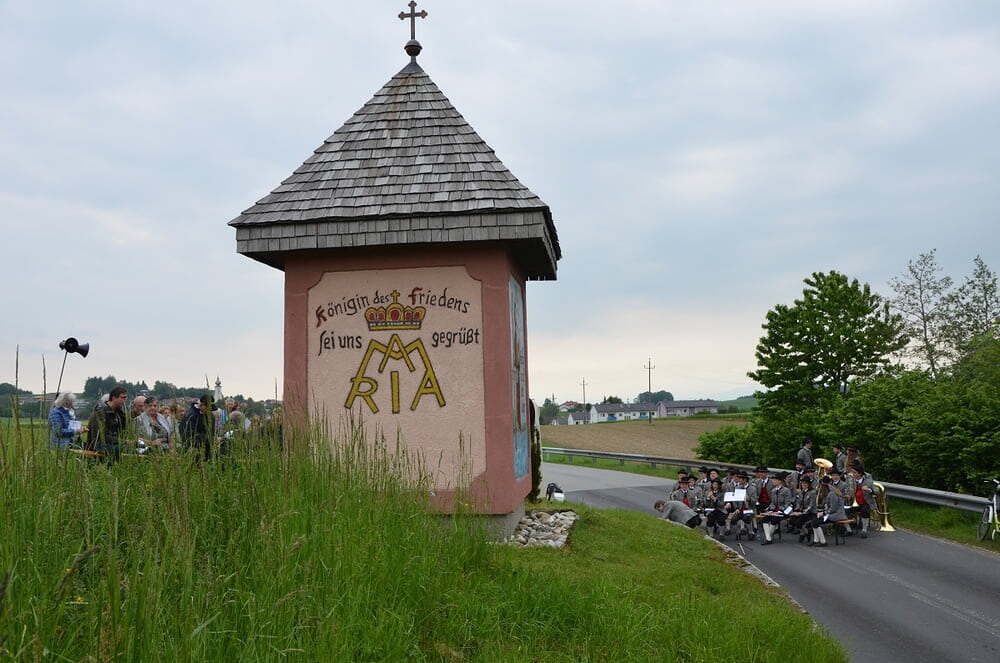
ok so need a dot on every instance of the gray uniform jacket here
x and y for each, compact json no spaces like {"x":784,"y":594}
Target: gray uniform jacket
{"x":676,"y":512}
{"x":792,"y":482}
{"x":709,"y":502}
{"x":781,"y":497}
{"x":805,"y":501}
{"x":840,"y":462}
{"x":805,"y":456}
{"x":844,"y":489}
{"x":834,"y":507}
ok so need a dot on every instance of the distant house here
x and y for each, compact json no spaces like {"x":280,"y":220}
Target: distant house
{"x":582,"y":417}
{"x":560,"y":420}
{"x":686,"y":408}
{"x":624,"y":411}
{"x":568,"y":405}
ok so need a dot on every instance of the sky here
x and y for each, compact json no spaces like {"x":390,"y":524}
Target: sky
{"x":700,"y":160}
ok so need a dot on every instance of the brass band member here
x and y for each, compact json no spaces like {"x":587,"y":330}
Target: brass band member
{"x":695,"y":494}
{"x":734,"y":510}
{"x":864,"y":496}
{"x":831,"y":510}
{"x":729,"y":481}
{"x":780,"y":498}
{"x":805,"y":453}
{"x":714,"y":507}
{"x":839,"y":457}
{"x":758,"y":493}
{"x":793,"y":478}
{"x":804,"y":508}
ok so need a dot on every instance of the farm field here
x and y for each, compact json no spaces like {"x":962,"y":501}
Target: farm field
{"x":664,"y":437}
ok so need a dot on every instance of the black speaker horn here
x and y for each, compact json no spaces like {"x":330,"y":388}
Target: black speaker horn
{"x":75,"y":346}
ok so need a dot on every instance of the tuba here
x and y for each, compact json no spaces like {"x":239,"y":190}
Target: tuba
{"x":824,"y":466}
{"x":882,"y":507}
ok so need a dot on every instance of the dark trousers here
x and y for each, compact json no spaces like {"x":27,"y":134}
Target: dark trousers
{"x":716,"y":518}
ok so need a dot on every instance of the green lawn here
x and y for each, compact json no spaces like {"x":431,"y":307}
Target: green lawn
{"x":941,"y":521}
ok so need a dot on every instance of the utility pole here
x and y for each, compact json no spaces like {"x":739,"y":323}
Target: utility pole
{"x":584,"y":385}
{"x":649,"y":377}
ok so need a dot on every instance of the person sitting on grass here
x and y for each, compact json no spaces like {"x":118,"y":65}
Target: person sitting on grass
{"x":62,"y":422}
{"x":677,"y":512}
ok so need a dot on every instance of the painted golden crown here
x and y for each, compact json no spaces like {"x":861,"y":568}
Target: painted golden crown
{"x":395,"y":316}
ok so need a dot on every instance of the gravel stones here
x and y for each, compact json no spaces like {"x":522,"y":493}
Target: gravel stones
{"x":541,"y":529}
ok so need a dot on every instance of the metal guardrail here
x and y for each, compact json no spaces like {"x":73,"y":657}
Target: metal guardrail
{"x":896,"y":490}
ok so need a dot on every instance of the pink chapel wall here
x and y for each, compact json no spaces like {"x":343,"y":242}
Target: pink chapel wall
{"x":343,"y":323}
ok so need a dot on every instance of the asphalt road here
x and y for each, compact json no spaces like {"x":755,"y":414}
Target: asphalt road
{"x":892,"y":597}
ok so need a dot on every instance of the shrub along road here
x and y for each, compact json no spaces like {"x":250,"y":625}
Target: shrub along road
{"x":893,"y":597}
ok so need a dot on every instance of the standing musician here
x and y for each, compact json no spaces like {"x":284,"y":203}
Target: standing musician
{"x":804,"y":508}
{"x":805,"y":453}
{"x":839,"y":457}
{"x":864,"y":496}
{"x":774,"y":512}
{"x":852,"y":455}
{"x":793,"y":477}
{"x":831,"y":509}
{"x":714,"y":507}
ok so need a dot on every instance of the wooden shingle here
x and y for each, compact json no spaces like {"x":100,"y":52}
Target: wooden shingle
{"x":406,"y":155}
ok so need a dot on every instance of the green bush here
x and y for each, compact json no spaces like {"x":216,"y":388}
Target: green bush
{"x":731,"y":444}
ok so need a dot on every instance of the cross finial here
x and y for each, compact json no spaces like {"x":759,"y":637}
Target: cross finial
{"x":413,"y":46}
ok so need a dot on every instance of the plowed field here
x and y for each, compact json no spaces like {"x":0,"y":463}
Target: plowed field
{"x":675,"y":438}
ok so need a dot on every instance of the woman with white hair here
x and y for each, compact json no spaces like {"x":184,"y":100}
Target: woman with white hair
{"x":63,"y":425}
{"x":153,"y":425}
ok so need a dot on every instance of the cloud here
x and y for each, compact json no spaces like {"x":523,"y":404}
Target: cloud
{"x":700,"y":160}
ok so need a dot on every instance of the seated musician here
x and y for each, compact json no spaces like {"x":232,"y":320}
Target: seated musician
{"x":804,"y":508}
{"x":781,"y":498}
{"x":680,"y":493}
{"x":714,"y":506}
{"x":695,"y":494}
{"x":830,"y":511}
{"x":735,"y":515}
{"x":864,"y":496}
{"x":759,"y":494}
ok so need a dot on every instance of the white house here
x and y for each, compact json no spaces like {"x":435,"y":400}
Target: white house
{"x":568,"y":405}
{"x":686,"y":408}
{"x":582,"y":417}
{"x":624,"y":411}
{"x":559,"y":420}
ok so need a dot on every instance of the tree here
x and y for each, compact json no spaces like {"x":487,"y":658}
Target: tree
{"x":655,"y":396}
{"x":548,"y":412}
{"x":974,"y":307}
{"x":7,"y":389}
{"x":612,"y":400}
{"x":922,"y":299}
{"x":837,"y":331}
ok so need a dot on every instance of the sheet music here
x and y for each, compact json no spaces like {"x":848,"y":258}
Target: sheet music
{"x":737,"y":495}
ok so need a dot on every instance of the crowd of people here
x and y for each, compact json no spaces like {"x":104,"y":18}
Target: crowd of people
{"x":806,"y":501}
{"x":147,"y":427}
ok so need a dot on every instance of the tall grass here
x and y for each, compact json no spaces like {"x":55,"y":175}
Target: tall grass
{"x":326,"y":551}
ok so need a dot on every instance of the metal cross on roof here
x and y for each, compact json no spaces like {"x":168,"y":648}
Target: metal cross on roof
{"x":413,"y":16}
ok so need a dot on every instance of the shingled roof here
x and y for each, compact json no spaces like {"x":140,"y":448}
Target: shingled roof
{"x":405,"y":169}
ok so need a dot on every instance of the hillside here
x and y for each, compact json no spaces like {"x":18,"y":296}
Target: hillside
{"x":675,"y":437}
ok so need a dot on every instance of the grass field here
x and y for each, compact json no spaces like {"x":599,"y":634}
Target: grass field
{"x":332,"y":555}
{"x":675,"y":437}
